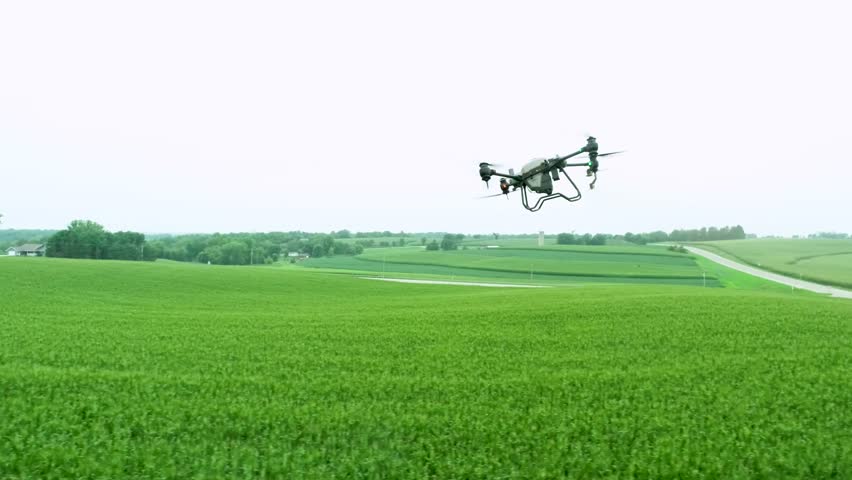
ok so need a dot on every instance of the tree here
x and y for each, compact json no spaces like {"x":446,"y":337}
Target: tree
{"x":450,"y":242}
{"x":598,"y":239}
{"x":657,"y":236}
{"x":294,"y":245}
{"x":125,"y":246}
{"x":82,"y":239}
{"x":433,"y":245}
{"x":566,"y":239}
{"x":235,"y":253}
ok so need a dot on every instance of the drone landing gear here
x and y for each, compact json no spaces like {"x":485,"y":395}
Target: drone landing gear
{"x":595,"y":175}
{"x":540,"y":202}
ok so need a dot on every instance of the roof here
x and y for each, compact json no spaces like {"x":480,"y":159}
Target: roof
{"x":27,"y":247}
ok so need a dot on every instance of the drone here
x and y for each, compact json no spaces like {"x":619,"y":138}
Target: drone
{"x":539,"y":174}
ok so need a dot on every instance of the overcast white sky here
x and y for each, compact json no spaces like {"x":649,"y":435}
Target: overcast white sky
{"x":256,"y":116}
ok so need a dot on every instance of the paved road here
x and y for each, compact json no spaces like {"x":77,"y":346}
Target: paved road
{"x":442,"y":282}
{"x":800,"y":284}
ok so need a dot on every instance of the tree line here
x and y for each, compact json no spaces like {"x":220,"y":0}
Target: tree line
{"x":88,"y":239}
{"x":249,"y":248}
{"x":694,"y":235}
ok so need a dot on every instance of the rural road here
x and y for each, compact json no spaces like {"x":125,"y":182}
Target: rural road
{"x":800,"y":284}
{"x":441,"y":282}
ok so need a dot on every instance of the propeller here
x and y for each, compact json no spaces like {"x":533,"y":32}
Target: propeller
{"x":504,"y":189}
{"x":597,"y":157}
{"x":494,"y":195}
{"x":610,"y":153}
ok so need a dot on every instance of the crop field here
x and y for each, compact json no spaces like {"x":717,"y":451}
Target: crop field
{"x":509,"y":241}
{"x":562,"y":264}
{"x":165,"y":370}
{"x":820,"y":260}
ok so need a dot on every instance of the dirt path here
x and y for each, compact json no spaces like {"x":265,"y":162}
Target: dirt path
{"x":800,"y":284}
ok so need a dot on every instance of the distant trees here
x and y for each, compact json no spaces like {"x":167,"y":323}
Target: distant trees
{"x":88,"y":239}
{"x":566,"y":239}
{"x":694,"y":235}
{"x":433,"y":245}
{"x":830,"y":235}
{"x":639,"y":239}
{"x":706,"y":234}
{"x":254,"y":248}
{"x":451,"y":241}
{"x":586,"y":239}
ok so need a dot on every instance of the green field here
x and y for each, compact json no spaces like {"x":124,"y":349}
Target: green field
{"x":561,"y":264}
{"x":166,"y":370}
{"x":820,"y":260}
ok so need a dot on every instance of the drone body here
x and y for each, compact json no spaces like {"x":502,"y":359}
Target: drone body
{"x":539,"y":175}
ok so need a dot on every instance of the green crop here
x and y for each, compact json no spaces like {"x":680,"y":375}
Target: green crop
{"x":604,"y":262}
{"x":166,"y":370}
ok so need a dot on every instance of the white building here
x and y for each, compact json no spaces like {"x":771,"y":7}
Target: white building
{"x":26,"y":250}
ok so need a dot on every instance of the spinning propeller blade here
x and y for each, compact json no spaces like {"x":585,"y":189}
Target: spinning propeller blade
{"x":600,"y":155}
{"x":495,"y":195}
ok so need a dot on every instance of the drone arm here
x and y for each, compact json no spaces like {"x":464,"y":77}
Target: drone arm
{"x":566,"y":157}
{"x":495,"y":173}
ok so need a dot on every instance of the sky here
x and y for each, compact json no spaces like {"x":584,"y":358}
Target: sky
{"x":204,"y":116}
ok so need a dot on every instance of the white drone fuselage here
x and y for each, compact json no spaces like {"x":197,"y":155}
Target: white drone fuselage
{"x":540,"y":183}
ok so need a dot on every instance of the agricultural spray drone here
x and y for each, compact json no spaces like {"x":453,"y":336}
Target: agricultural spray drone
{"x":539,"y":174}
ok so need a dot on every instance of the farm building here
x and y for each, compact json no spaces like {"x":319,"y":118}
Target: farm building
{"x":26,"y":250}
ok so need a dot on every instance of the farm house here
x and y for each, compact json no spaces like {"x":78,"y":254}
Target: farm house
{"x":26,"y":250}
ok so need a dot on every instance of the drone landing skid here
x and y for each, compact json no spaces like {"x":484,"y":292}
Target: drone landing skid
{"x":540,"y":202}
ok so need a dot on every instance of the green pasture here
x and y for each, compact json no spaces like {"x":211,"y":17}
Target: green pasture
{"x":360,"y":266}
{"x":820,"y":260}
{"x":585,"y":261}
{"x":166,"y":370}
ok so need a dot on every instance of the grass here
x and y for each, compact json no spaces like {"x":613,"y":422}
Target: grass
{"x":819,"y":260}
{"x":113,"y":369}
{"x":359,"y":266}
{"x":590,"y":262}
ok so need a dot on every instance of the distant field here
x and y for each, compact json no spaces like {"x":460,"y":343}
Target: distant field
{"x":548,"y":264}
{"x":509,"y":241}
{"x":377,"y":240}
{"x":581,"y":262}
{"x":169,"y":370}
{"x":819,"y":260}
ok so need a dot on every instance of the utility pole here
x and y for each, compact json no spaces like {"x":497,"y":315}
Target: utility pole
{"x":251,"y":256}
